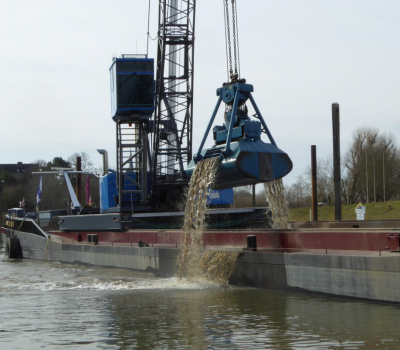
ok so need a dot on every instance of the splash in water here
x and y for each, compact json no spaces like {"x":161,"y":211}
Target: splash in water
{"x":274,"y":192}
{"x":218,"y":266}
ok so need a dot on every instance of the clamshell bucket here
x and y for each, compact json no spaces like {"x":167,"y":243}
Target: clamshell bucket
{"x":244,"y":159}
{"x":251,"y":162}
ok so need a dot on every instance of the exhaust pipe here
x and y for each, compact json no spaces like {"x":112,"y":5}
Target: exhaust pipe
{"x":104,"y":153}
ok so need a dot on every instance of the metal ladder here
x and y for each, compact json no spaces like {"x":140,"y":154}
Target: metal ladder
{"x":132,"y":163}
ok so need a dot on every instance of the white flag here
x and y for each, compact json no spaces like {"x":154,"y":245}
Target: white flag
{"x":39,"y":194}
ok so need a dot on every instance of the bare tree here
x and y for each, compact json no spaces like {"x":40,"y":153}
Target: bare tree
{"x":299,"y":193}
{"x":86,"y":162}
{"x":372,"y":167}
{"x":41,"y":162}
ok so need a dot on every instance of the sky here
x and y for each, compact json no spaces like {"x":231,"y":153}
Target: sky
{"x":300,"y":55}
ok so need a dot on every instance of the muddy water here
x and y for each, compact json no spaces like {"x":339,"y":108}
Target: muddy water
{"x":274,"y":192}
{"x":48,"y":305}
{"x":195,"y":263}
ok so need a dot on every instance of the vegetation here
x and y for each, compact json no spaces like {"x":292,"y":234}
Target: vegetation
{"x":55,"y":194}
{"x":243,"y":198}
{"x":370,"y":173}
{"x":374,"y":211}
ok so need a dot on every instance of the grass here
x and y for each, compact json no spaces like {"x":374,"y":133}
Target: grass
{"x":389,"y":210}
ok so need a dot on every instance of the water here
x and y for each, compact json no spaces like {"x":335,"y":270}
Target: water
{"x":49,"y":305}
{"x":275,"y":195}
{"x":203,"y":178}
{"x":195,"y":263}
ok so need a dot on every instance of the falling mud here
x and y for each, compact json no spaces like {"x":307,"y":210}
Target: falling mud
{"x":195,"y":263}
{"x":274,"y":192}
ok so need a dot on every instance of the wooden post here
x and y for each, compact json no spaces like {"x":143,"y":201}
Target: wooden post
{"x":314,"y":194}
{"x":336,"y":161}
{"x":1,"y":201}
{"x":254,"y":195}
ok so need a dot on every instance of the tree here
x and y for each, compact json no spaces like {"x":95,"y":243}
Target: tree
{"x":243,"y":197}
{"x":59,"y":162}
{"x":299,"y":194}
{"x":41,"y":163}
{"x":372,"y":167}
{"x":86,"y":162}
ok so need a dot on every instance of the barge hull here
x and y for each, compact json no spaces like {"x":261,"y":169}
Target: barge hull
{"x":368,"y":275}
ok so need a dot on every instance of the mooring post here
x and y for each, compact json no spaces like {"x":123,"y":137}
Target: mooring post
{"x":336,"y":161}
{"x":314,"y":194}
{"x":1,"y":200}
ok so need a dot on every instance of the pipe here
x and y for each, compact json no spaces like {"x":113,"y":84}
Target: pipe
{"x":104,"y":154}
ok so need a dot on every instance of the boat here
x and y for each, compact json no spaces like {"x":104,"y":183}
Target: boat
{"x":138,"y":225}
{"x":330,"y":259}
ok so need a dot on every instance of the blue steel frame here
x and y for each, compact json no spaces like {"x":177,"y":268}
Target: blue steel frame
{"x":114,"y":66}
{"x":248,"y":95}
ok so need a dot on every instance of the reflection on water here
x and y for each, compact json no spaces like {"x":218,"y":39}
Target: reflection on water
{"x":53,"y":305}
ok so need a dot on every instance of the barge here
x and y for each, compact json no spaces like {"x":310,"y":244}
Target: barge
{"x":361,"y":262}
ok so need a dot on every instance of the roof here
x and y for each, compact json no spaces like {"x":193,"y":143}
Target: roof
{"x":16,"y":168}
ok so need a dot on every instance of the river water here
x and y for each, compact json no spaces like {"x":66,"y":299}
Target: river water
{"x":50,"y":305}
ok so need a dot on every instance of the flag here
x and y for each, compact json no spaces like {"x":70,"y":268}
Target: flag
{"x":87,"y":190}
{"x":22,"y":203}
{"x":39,"y":193}
{"x":90,"y":201}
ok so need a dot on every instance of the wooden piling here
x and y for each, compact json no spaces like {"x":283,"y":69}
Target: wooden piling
{"x":336,"y":161}
{"x":314,"y":194}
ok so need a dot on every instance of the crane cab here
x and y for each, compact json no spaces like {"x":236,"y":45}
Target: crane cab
{"x":132,"y":87}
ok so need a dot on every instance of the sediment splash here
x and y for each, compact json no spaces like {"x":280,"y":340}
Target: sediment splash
{"x":195,"y":263}
{"x":274,"y":192}
{"x":218,"y":266}
{"x":204,"y":176}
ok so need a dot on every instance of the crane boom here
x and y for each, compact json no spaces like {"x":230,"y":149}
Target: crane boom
{"x":172,"y":139}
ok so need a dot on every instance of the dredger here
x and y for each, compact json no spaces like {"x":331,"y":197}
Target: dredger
{"x":245,"y":159}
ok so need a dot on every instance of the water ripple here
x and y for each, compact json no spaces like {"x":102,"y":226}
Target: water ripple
{"x":52,"y":305}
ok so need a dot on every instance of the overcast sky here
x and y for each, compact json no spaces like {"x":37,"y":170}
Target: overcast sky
{"x":300,"y":55}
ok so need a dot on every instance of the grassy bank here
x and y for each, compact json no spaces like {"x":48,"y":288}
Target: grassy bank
{"x":375,"y":211}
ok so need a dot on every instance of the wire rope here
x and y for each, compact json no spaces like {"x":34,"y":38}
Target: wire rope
{"x":148,"y":31}
{"x":237,"y":38}
{"x":226,"y":42}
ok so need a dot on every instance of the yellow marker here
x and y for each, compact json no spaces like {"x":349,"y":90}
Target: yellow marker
{"x":10,"y":223}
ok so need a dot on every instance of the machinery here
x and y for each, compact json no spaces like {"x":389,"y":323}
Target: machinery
{"x":153,"y":152}
{"x":132,"y":106}
{"x":244,"y":158}
{"x":152,"y":107}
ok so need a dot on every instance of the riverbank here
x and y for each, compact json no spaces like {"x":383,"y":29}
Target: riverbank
{"x":389,"y":210}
